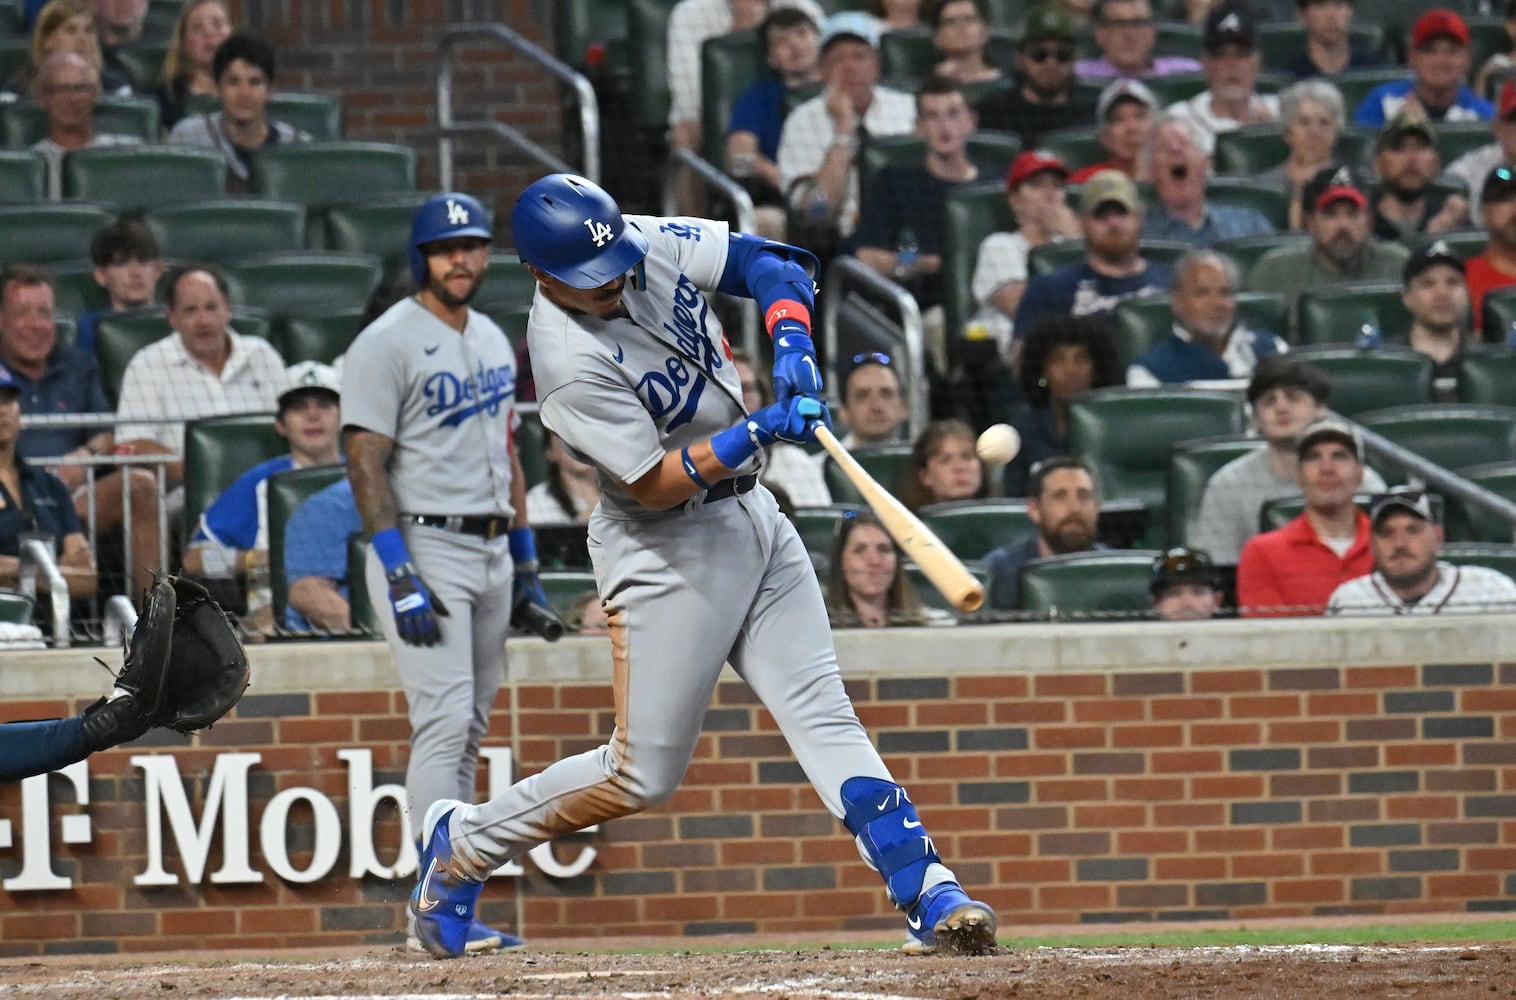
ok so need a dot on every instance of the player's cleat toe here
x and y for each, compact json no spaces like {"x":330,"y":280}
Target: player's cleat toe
{"x":443,"y":901}
{"x":946,"y":920}
{"x":481,"y":940}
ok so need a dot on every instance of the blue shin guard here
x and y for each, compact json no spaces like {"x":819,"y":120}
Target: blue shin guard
{"x":890,"y":836}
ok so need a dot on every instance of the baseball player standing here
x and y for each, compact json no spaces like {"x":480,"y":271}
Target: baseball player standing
{"x":428,"y":410}
{"x":693,"y":560}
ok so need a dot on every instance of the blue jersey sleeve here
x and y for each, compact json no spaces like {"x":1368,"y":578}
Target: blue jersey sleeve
{"x":232,"y":520}
{"x":315,"y":539}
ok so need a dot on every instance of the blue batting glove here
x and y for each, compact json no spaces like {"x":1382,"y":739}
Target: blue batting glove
{"x":416,"y":607}
{"x":796,"y":372}
{"x":526,"y":582}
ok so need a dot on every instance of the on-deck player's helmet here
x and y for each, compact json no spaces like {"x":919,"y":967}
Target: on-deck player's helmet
{"x":445,"y":217}
{"x":569,"y":227}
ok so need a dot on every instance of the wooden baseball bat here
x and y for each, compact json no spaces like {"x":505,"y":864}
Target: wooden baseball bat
{"x":945,"y":570}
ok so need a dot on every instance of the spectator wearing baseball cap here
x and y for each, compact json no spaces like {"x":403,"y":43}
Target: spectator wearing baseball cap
{"x":818,"y":147}
{"x":1293,"y":570}
{"x":1183,"y":586}
{"x":1439,"y":62}
{"x":1285,"y":395}
{"x":1328,"y":43}
{"x":1408,"y":578}
{"x":1034,"y":187}
{"x":1110,"y":216}
{"x":1180,"y":170}
{"x":1335,"y":206}
{"x":1124,"y":114}
{"x":1436,"y":294}
{"x":1230,"y":63}
{"x":1042,"y":96}
{"x":1496,"y":267}
{"x":1475,"y":165}
{"x":1127,"y":35}
{"x":1407,"y":206}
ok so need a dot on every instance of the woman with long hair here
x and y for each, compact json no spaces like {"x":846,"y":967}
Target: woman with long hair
{"x":187,"y":65}
{"x":64,"y":26}
{"x":866,"y":583}
{"x":569,"y":492}
{"x":944,"y":466}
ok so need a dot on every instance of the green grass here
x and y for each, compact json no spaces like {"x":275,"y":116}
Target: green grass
{"x":1504,"y":930}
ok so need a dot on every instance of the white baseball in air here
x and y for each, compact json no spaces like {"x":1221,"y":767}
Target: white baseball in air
{"x":998,"y":444}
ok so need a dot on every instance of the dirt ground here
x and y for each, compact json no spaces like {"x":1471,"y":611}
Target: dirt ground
{"x":844,"y":973}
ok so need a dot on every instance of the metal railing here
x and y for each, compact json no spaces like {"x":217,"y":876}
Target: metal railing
{"x":742,"y":208}
{"x":449,"y":129}
{"x":36,"y":559}
{"x":1439,"y":479}
{"x":849,"y":274}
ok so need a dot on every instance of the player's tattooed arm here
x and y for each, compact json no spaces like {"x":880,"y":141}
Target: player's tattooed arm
{"x":367,"y":455}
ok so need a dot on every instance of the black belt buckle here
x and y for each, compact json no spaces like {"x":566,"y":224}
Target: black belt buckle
{"x":731,"y":487}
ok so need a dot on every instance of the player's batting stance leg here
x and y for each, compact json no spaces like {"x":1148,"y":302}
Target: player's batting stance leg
{"x":694,"y":561}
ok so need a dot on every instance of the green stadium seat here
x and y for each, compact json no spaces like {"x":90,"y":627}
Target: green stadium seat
{"x":1487,"y":36}
{"x":1456,"y":138}
{"x":1175,"y":87}
{"x":227,"y":228}
{"x":332,"y":173}
{"x":1241,"y":192}
{"x":143,"y":177}
{"x":580,"y":26}
{"x":1126,"y":434}
{"x":1246,"y":250}
{"x":886,"y":463}
{"x":322,"y":335}
{"x":931,"y":597}
{"x":507,"y":285}
{"x":24,"y":122}
{"x":1466,"y":523}
{"x":1335,"y":314}
{"x":1051,"y":256}
{"x":1144,"y":321}
{"x":14,"y":53}
{"x":49,"y":232}
{"x":1088,"y":586}
{"x":1191,"y":466}
{"x":1499,"y":557}
{"x":1355,"y":84}
{"x":1364,"y":379}
{"x":1076,"y":147}
{"x":972,"y":528}
{"x":1453,"y":435}
{"x":286,"y":491}
{"x":647,"y":42}
{"x":818,"y":525}
{"x":1275,"y":514}
{"x":1178,"y":38}
{"x":23,"y":177}
{"x":290,"y":284}
{"x":565,"y":586}
{"x":317,"y":115}
{"x":728,"y":64}
{"x":995,"y":150}
{"x":381,"y":226}
{"x":144,"y":61}
{"x":75,"y":289}
{"x":219,"y":449}
{"x":1488,"y":376}
{"x":1281,"y":42}
{"x":119,"y":336}
{"x":360,"y":609}
{"x":907,"y":54}
{"x":1465,"y":242}
{"x":973,"y":212}
{"x":15,"y":609}
{"x":1499,"y":313}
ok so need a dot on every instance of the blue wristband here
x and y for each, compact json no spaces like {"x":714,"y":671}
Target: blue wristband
{"x":523,"y":542}
{"x":389,"y":546}
{"x":734,"y":445}
{"x":690,"y":470}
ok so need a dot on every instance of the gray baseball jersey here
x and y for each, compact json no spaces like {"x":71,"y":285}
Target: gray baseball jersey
{"x":671,"y":353}
{"x":447,"y":401}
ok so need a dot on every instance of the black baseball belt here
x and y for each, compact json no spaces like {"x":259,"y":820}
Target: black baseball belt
{"x":733,"y":487}
{"x":483,"y":525}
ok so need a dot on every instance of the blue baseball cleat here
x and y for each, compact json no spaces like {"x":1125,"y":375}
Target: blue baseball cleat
{"x":946,"y":919}
{"x":482,"y":939}
{"x":443,"y":902}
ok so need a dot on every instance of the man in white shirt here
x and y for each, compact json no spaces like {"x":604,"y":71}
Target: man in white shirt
{"x":1230,"y":63}
{"x":202,"y":369}
{"x":818,"y":149}
{"x":1408,"y":578}
{"x":1475,"y":165}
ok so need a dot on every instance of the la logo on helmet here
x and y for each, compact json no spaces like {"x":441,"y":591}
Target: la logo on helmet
{"x":600,"y":232}
{"x":457,"y":215}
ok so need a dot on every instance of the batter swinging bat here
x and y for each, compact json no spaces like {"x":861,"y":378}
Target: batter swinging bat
{"x":944,"y":569}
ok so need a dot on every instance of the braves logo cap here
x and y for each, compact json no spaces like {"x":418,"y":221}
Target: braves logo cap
{"x":1228,"y":24}
{"x":1428,"y":257}
{"x":1333,"y":184}
{"x":1411,"y":501}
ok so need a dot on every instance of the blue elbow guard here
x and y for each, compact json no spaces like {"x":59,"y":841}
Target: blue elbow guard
{"x":890,"y":836}
{"x":768,"y":271}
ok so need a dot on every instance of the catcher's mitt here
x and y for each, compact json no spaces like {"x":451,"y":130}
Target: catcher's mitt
{"x":207,"y":670}
{"x":145,"y":665}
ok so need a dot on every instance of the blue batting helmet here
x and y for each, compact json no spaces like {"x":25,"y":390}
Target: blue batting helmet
{"x":445,"y":217}
{"x":569,"y":227}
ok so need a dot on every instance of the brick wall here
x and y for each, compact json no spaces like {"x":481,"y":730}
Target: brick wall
{"x":1060,"y":796}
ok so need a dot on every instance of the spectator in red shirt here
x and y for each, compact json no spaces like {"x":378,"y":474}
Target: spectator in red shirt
{"x":1496,"y":267}
{"x":1293,"y":571}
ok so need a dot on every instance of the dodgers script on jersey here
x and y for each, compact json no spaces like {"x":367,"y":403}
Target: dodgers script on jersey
{"x":447,"y":400}
{"x":668,"y":357}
